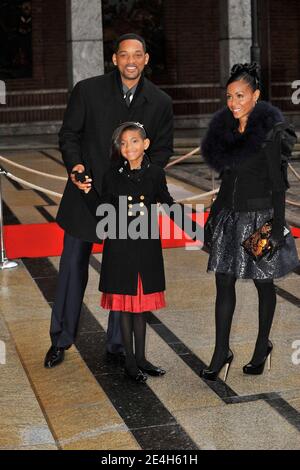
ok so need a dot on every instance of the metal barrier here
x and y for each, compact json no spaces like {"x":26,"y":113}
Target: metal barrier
{"x":4,"y":262}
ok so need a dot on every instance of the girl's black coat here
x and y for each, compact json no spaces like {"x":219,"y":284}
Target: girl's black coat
{"x":250,"y":164}
{"x":124,"y":259}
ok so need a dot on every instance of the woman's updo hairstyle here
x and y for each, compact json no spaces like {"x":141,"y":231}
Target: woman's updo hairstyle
{"x":247,"y":72}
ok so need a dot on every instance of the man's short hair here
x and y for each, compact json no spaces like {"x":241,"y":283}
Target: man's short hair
{"x":124,"y":37}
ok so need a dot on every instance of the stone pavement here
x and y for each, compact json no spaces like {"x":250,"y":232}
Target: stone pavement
{"x":86,"y":403}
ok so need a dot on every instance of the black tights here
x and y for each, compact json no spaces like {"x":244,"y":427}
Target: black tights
{"x":225,"y":306}
{"x":134,"y":324}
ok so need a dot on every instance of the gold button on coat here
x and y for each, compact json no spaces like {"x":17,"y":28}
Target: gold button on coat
{"x":141,"y":204}
{"x":129,"y":213}
{"x":142,"y":197}
{"x":129,"y":198}
{"x":142,"y":213}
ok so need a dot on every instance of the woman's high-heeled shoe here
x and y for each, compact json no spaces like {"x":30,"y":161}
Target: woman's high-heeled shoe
{"x":252,"y":369}
{"x":209,"y":374}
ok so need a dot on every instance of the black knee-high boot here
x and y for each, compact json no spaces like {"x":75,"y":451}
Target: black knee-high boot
{"x":267,"y":303}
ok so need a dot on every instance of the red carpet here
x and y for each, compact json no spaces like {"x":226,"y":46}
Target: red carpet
{"x":43,"y":240}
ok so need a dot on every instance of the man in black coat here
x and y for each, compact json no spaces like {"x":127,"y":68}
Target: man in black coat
{"x":96,"y":107}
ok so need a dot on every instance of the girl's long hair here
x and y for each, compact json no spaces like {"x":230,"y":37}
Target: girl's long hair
{"x":115,"y":152}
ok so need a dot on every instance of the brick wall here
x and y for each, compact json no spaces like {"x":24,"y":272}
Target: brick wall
{"x":192,"y":69}
{"x":285,"y":51}
{"x":192,"y":55}
{"x":49,"y":54}
{"x":192,"y":31}
{"x":49,"y":47}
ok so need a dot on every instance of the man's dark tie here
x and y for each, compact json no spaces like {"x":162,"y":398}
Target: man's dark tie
{"x":127,"y":97}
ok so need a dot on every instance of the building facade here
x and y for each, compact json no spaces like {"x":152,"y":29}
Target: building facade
{"x":49,"y":46}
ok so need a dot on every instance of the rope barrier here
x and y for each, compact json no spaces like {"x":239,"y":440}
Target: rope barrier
{"x":5,"y":263}
{"x":294,"y":171}
{"x":297,"y":204}
{"x":201,"y":195}
{"x":62,"y":178}
{"x":184,"y":157}
{"x":31,"y":170}
{"x":32,"y":186}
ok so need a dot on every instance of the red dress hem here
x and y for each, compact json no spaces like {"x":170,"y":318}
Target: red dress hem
{"x":134,"y":303}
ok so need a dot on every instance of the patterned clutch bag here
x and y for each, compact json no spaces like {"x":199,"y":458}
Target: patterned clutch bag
{"x":258,"y":245}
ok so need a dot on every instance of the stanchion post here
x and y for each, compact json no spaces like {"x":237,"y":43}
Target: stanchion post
{"x":4,"y":262}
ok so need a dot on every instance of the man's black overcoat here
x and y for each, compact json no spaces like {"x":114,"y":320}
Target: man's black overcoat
{"x":96,"y":107}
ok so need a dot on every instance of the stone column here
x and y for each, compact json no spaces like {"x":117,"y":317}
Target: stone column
{"x":84,"y":39}
{"x":235,"y":35}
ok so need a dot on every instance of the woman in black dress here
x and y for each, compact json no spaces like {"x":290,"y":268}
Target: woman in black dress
{"x":245,"y":143}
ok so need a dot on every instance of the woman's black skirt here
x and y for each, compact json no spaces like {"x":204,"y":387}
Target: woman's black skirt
{"x":227,"y":255}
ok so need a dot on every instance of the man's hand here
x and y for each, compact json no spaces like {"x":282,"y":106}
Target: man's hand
{"x":86,"y":186}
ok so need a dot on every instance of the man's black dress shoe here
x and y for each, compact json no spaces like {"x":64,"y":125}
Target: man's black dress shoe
{"x":152,"y":370}
{"x":54,"y":357}
{"x":139,"y":377}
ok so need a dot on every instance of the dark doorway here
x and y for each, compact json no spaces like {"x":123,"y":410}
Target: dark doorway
{"x":15,"y":39}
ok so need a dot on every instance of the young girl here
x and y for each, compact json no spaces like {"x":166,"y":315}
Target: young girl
{"x":132,"y":274}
